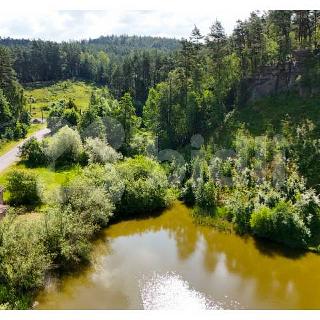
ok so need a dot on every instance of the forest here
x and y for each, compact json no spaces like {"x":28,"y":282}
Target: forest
{"x":166,"y":119}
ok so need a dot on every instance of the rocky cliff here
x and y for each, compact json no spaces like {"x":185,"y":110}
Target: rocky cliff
{"x":281,"y":78}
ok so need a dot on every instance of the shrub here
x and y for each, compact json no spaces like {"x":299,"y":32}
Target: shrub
{"x":23,"y":188}
{"x":89,"y":201}
{"x":281,"y":224}
{"x":71,"y":117}
{"x":100,"y":152}
{"x":308,"y":206}
{"x":66,"y":237}
{"x":240,"y":205}
{"x":143,"y":143}
{"x":20,"y":130}
{"x":91,"y":125}
{"x":23,"y":259}
{"x":65,"y":146}
{"x":187,"y":193}
{"x":55,"y":119}
{"x":146,"y":186}
{"x":206,"y":195}
{"x":33,"y":152}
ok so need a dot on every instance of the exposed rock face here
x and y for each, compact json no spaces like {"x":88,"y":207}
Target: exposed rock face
{"x":275,"y":79}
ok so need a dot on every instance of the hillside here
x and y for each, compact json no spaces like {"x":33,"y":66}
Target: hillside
{"x":113,"y":44}
{"x":39,"y":96}
{"x":269,"y":112}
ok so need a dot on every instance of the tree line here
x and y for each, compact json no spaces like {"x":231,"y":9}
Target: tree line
{"x":212,"y":71}
{"x":122,"y":63}
{"x":14,"y":119}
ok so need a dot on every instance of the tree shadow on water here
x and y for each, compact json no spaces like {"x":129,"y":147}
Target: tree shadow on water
{"x":274,"y":249}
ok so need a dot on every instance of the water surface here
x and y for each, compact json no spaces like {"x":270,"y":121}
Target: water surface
{"x":168,"y":262}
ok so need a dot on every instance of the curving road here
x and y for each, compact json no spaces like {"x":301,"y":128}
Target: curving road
{"x":12,"y":156}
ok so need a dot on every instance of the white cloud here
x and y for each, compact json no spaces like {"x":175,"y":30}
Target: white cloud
{"x":77,"y":24}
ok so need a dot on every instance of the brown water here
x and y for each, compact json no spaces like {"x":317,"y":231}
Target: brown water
{"x":167,"y":262}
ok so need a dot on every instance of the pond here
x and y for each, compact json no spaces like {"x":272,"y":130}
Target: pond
{"x":168,"y":262}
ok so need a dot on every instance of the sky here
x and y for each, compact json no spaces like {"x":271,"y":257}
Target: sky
{"x":62,"y":20}
{"x":59,"y":25}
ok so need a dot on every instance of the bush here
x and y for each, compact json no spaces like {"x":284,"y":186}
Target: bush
{"x":308,"y":206}
{"x":240,"y":205}
{"x":65,"y":146}
{"x":91,"y":125}
{"x":62,"y":113}
{"x":20,"y":130}
{"x":23,"y":259}
{"x":146,"y":186}
{"x":187,"y":193}
{"x":143,"y":143}
{"x":206,"y":195}
{"x":71,"y":117}
{"x":100,"y":152}
{"x":23,"y":188}
{"x":33,"y":152}
{"x":89,"y":201}
{"x":282,"y":224}
{"x":66,"y":237}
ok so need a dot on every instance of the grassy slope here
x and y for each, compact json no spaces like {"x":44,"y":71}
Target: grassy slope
{"x":271,"y":111}
{"x":78,"y":91}
{"x":50,"y":180}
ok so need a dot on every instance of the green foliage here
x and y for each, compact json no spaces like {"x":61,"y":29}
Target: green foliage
{"x":13,"y":119}
{"x":206,"y":195}
{"x":107,"y":177}
{"x":23,"y":262}
{"x":187,"y":193}
{"x":308,"y":206}
{"x":282,"y":224}
{"x":5,"y":112}
{"x":146,"y":186}
{"x":62,"y":113}
{"x":143,"y":142}
{"x":23,"y":188}
{"x":99,"y":151}
{"x":91,"y":125}
{"x":304,"y":149}
{"x":65,"y":236}
{"x":33,"y":152}
{"x":123,"y":63}
{"x":240,"y":206}
{"x":71,"y":116}
{"x":88,"y":200}
{"x":65,"y":146}
{"x":125,"y":114}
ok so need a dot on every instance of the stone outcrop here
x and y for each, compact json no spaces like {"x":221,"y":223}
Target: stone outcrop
{"x":281,"y":78}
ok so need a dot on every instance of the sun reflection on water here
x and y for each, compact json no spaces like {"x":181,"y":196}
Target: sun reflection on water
{"x":169,"y":291}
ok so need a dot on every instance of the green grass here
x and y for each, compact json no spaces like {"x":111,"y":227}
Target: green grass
{"x":271,"y":111}
{"x":50,"y":180}
{"x":39,"y":97}
{"x":7,"y":146}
